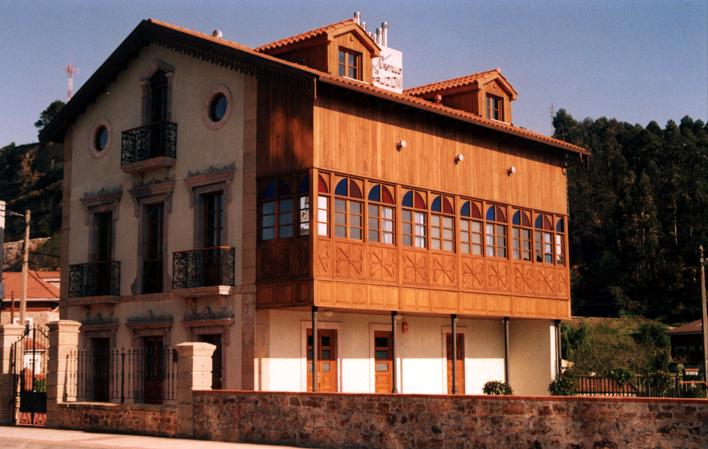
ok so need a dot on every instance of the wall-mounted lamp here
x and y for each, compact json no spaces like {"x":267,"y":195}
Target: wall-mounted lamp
{"x":329,"y":314}
{"x":459,"y":158}
{"x":511,"y":170}
{"x":404,"y":326}
{"x":401,"y":144}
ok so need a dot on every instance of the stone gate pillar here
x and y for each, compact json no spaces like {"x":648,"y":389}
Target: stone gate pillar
{"x":194,"y":365}
{"x":9,"y":334}
{"x":61,"y":385}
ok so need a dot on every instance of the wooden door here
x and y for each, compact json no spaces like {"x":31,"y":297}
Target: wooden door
{"x":326,"y":360}
{"x":459,"y":363}
{"x":383,"y":363}
{"x":153,"y":366}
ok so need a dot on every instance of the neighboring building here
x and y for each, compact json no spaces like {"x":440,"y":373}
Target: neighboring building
{"x":687,"y":345}
{"x":220,"y":193}
{"x":42,"y":297}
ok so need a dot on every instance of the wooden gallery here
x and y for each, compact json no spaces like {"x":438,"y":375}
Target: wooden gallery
{"x":325,"y":228}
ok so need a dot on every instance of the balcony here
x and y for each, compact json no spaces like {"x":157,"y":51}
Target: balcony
{"x":204,"y":271}
{"x":149,"y":147}
{"x":94,"y":279}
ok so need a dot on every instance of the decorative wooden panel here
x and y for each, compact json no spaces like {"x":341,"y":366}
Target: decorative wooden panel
{"x":349,"y":260}
{"x":474,"y":276}
{"x":323,"y":266}
{"x":284,"y":295}
{"x":383,"y":263}
{"x":282,"y":259}
{"x":415,"y":267}
{"x":444,"y":270}
{"x":498,"y":275}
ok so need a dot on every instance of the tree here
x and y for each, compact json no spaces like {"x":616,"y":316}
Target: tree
{"x":48,"y":114}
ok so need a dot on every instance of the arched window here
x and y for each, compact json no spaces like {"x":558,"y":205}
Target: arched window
{"x":276,"y":209}
{"x":496,"y":231}
{"x":303,"y":199}
{"x":471,"y":228}
{"x":543,"y":236}
{"x":521,"y":235}
{"x":323,"y":205}
{"x":560,"y":240}
{"x":381,"y":214}
{"x":348,"y":209}
{"x":414,"y":217}
{"x":442,"y":224}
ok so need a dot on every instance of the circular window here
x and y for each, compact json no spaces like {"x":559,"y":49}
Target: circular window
{"x":100,"y":138}
{"x":217,"y":107}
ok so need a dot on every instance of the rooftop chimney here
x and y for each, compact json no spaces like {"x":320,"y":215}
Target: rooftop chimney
{"x":357,"y":17}
{"x":217,"y":33}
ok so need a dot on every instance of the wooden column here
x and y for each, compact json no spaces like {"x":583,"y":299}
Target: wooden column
{"x":506,"y":350}
{"x":314,"y":349}
{"x":453,"y":325}
{"x":394,"y":371}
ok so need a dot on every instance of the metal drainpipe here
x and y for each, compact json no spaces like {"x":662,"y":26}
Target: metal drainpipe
{"x":394,"y":371}
{"x":506,"y":350}
{"x":453,"y":324}
{"x":314,"y":349}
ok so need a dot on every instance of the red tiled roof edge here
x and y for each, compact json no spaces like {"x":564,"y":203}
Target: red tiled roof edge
{"x":449,"y":83}
{"x":304,"y":35}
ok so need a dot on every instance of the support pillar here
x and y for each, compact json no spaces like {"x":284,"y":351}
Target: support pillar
{"x":453,"y":325}
{"x":394,"y":370}
{"x":506,"y":351}
{"x":61,"y":378}
{"x":559,"y":352}
{"x":314,"y":349}
{"x":9,"y":334}
{"x":194,"y":365}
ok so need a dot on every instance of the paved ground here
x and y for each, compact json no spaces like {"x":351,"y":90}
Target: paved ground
{"x":40,"y":438}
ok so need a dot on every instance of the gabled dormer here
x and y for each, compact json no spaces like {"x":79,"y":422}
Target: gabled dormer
{"x":487,"y":94}
{"x":341,"y":49}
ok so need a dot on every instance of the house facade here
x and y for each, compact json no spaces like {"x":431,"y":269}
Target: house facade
{"x":325,"y":234}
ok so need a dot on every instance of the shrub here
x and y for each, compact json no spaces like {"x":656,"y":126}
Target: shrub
{"x":621,"y":375}
{"x":494,"y":387}
{"x":563,"y":385}
{"x":659,"y":383}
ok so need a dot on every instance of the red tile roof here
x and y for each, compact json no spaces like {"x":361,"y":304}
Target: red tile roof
{"x":694,"y":327}
{"x":305,"y":36}
{"x":37,"y":288}
{"x":451,"y":83}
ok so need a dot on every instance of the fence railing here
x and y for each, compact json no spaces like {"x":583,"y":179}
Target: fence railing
{"x":639,"y":386}
{"x":147,"y":142}
{"x":123,"y":375}
{"x":94,"y":279}
{"x":203,"y":267}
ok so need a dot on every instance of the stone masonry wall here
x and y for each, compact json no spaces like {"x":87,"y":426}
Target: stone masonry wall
{"x":460,"y":422}
{"x":139,"y":419}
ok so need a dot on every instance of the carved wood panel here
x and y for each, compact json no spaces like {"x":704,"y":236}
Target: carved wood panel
{"x":473,"y":273}
{"x":349,"y":260}
{"x":444,"y":270}
{"x":415,"y":267}
{"x":323,"y":266}
{"x":383,"y":264}
{"x":498,"y":275}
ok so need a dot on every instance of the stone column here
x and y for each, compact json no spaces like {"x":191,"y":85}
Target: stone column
{"x":9,"y":334}
{"x":61,"y":384}
{"x":194,"y":366}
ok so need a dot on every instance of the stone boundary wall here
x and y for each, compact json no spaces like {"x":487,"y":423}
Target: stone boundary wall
{"x":142,"y":419}
{"x":476,"y":422}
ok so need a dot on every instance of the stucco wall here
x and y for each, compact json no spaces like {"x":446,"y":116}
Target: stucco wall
{"x":408,"y":421}
{"x":420,"y":352}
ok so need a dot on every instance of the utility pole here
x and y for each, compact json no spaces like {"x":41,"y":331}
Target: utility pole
{"x":704,"y":307}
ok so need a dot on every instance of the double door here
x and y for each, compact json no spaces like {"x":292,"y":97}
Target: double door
{"x":327,"y":369}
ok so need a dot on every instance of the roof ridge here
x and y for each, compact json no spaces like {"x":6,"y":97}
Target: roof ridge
{"x":458,"y":79}
{"x":303,"y":35}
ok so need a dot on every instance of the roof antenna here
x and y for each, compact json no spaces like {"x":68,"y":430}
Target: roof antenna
{"x":70,"y":70}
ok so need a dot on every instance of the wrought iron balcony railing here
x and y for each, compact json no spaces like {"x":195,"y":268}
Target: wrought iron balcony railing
{"x":148,"y":142}
{"x":94,"y":279}
{"x":206,"y":267}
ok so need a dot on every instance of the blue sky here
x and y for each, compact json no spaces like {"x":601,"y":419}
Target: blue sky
{"x":633,"y":60}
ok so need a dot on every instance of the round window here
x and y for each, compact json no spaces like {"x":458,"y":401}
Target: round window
{"x":100,"y":139}
{"x":217,"y":107}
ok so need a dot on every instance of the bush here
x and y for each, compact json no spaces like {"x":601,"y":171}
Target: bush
{"x":494,"y":387}
{"x":659,"y":383}
{"x":621,"y":375}
{"x":563,"y":385}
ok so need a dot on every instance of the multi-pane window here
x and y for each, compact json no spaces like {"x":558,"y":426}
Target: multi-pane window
{"x":303,"y":201}
{"x":471,"y":228}
{"x":349,"y":64}
{"x":495,"y":107}
{"x":349,"y":209}
{"x":543,"y":236}
{"x":442,"y":224}
{"x":496,"y":231}
{"x":414,"y":218}
{"x":380,"y":214}
{"x":521,"y":235}
{"x":560,"y":240}
{"x":322,"y":206}
{"x":276,"y":209}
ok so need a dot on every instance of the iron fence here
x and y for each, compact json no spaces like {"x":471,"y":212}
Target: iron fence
{"x":94,"y":279}
{"x":639,"y":386}
{"x":203,"y":267}
{"x":123,"y":375}
{"x":146,"y":142}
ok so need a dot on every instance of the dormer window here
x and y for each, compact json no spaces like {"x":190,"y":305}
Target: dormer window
{"x":349,"y":63}
{"x":495,"y":107}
